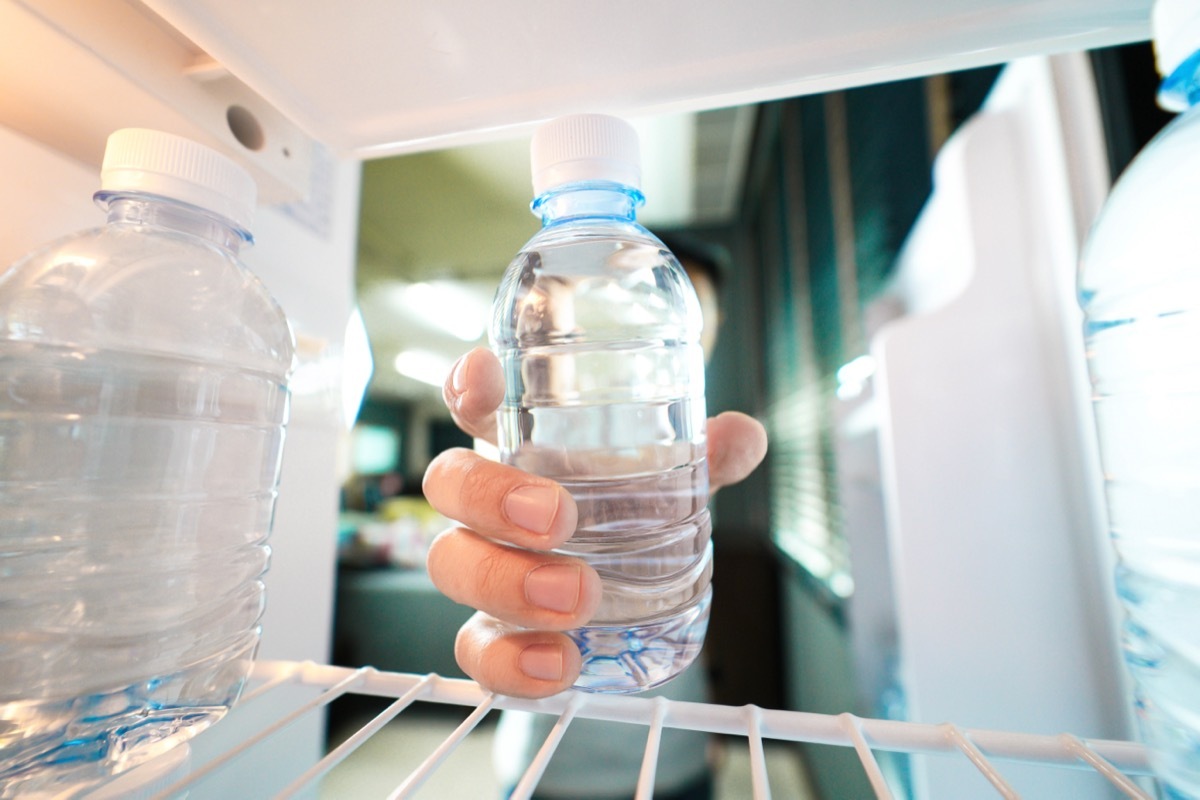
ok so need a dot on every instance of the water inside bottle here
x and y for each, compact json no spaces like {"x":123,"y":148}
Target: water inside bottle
{"x":1146,"y":374}
{"x":135,"y":518}
{"x":597,"y":330}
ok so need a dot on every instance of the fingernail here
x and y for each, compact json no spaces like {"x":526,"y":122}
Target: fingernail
{"x":458,"y":379}
{"x":542,"y":661}
{"x":554,"y":587}
{"x":532,"y":507}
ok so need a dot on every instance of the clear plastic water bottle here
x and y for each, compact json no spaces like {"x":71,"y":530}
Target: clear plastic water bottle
{"x":1140,"y":290}
{"x":143,"y":399}
{"x":598,"y":330}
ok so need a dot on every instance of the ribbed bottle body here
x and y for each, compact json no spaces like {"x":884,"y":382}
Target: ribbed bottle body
{"x":143,"y":401}
{"x":597,"y":329}
{"x":1140,"y":291}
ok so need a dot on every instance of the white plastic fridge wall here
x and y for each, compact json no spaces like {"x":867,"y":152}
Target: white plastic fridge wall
{"x":1000,"y":563}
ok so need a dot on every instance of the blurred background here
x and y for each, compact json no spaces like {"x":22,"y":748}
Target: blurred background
{"x":824,"y":205}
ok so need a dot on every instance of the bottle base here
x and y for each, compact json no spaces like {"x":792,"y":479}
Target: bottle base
{"x":624,"y":659}
{"x":1174,"y":757}
{"x":82,"y":742}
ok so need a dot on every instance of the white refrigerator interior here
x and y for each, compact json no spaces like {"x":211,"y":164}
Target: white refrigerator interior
{"x":375,"y":77}
{"x":372,"y":77}
{"x":999,"y":572}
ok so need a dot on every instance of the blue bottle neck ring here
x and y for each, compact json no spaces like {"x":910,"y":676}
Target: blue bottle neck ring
{"x":588,"y":199}
{"x":1180,"y":90}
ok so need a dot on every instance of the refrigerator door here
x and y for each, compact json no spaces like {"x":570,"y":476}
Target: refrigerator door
{"x":1000,"y":562}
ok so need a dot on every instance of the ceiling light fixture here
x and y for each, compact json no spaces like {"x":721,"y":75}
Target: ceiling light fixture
{"x":448,"y":307}
{"x":423,"y":366}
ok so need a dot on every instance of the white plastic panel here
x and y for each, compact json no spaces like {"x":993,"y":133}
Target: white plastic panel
{"x":74,"y":72}
{"x":999,"y":568}
{"x":374,"y":77}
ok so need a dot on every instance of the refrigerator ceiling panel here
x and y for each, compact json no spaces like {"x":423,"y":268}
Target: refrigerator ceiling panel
{"x":72,"y":72}
{"x":376,"y":77}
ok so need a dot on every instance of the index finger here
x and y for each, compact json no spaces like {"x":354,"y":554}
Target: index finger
{"x":473,"y":392}
{"x":499,"y":501}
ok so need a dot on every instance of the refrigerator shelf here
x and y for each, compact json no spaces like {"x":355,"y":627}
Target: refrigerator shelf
{"x":1119,"y":762}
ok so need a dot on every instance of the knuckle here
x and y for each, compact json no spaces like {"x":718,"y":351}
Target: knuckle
{"x":443,"y":563}
{"x":440,"y":466}
{"x":493,"y":575}
{"x":434,"y":555}
{"x":478,"y":649}
{"x":465,"y":652}
{"x":480,"y":485}
{"x":454,"y":482}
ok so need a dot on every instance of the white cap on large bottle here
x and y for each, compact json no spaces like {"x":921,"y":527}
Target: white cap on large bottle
{"x":163,"y":164}
{"x":1176,"y":28}
{"x":585,"y":147}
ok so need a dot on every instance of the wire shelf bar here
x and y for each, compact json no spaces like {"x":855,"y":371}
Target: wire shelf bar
{"x":976,"y":757}
{"x":534,"y":773}
{"x":435,"y":759}
{"x":879,"y":785}
{"x":342,"y":751}
{"x":758,"y":759}
{"x":1111,"y":773}
{"x":1117,"y":761}
{"x":645,"y":787}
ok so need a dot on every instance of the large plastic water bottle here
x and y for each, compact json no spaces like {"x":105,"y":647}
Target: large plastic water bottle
{"x":598,"y":330}
{"x":1140,"y":291}
{"x":143,"y":399}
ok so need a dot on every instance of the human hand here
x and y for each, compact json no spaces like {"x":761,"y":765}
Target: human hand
{"x":526,"y":595}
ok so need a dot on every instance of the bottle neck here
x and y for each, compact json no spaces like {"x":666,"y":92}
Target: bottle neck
{"x":162,"y":212}
{"x":588,"y":199}
{"x":1180,"y":90}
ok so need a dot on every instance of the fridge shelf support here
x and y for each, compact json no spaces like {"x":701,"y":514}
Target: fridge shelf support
{"x":1116,"y":761}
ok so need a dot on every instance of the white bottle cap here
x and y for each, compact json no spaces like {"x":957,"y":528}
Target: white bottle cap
{"x":585,"y":147}
{"x":1176,"y":28}
{"x":141,"y":160}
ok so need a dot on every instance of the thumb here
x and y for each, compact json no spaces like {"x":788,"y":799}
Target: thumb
{"x":473,"y":392}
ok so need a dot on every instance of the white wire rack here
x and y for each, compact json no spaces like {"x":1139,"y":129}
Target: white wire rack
{"x":1118,"y":762}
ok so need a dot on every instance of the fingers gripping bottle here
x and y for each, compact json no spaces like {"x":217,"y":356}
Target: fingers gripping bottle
{"x":1139,"y":286}
{"x":143,"y":397}
{"x":597,"y":328}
